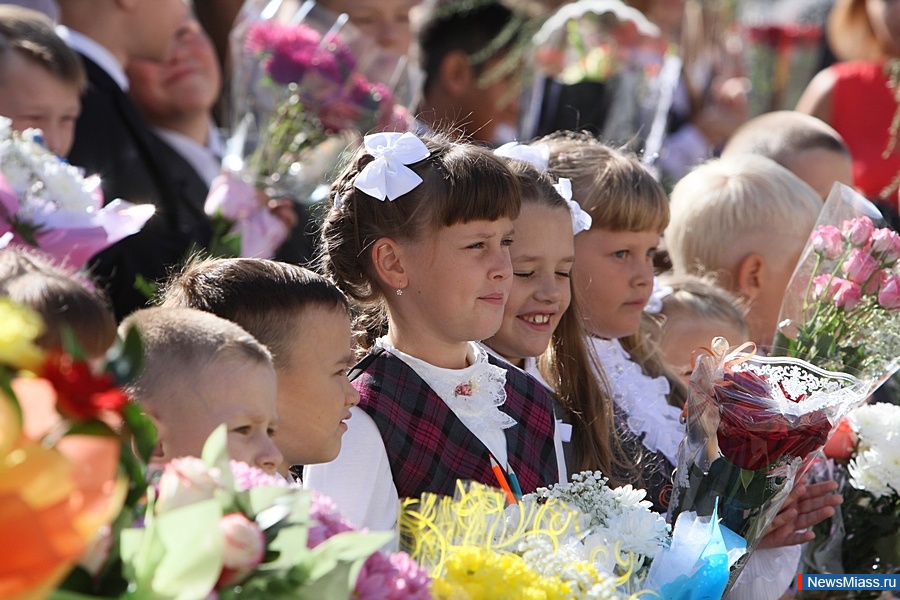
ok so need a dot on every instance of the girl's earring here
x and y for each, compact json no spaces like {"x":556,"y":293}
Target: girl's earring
{"x":399,"y":292}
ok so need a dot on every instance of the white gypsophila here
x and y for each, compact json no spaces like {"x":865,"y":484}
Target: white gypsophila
{"x":568,"y":563}
{"x":876,"y":471}
{"x":5,"y":127}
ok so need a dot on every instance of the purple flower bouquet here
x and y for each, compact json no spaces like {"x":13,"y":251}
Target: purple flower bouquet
{"x":306,"y":85}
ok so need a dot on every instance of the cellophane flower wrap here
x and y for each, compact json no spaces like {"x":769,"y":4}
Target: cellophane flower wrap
{"x":752,"y":421}
{"x":66,"y":434}
{"x":476,"y":546}
{"x":596,"y":64}
{"x":47,"y":203}
{"x":215,"y":526}
{"x":862,"y":536}
{"x":306,"y":84}
{"x":841,"y":310}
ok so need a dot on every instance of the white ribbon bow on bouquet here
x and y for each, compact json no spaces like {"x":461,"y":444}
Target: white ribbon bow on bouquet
{"x":387,"y":177}
{"x":581,"y":221}
{"x":537,"y":156}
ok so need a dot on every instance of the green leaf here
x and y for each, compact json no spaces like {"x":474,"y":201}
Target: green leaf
{"x":97,"y":428}
{"x":125,"y":359}
{"x":142,"y":430}
{"x":179,"y":555}
{"x":70,"y":344}
{"x":350,"y":547}
{"x":147,"y":288}
{"x":746,"y":478}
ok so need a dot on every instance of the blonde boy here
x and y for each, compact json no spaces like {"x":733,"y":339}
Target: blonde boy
{"x":304,"y":320}
{"x":746,"y":219}
{"x":41,"y":78}
{"x":201,"y":371}
{"x":804,"y":145}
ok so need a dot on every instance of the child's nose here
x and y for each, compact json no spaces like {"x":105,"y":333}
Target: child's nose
{"x":550,"y":291}
{"x":502,"y":267}
{"x":269,"y":457}
{"x":351,"y":396}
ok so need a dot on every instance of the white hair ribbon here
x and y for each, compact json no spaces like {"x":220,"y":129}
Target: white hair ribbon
{"x":338,"y":201}
{"x":387,"y":177}
{"x":655,"y":303}
{"x":581,"y":221}
{"x":537,"y":156}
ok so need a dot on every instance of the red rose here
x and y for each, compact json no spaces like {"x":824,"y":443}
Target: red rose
{"x":81,"y":395}
{"x":753,"y":436}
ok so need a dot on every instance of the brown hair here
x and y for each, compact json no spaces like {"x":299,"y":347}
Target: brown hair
{"x":460,"y":183}
{"x":179,"y":344}
{"x":31,"y":33}
{"x":264,"y":297}
{"x":620,"y":194}
{"x":569,"y":366}
{"x":61,"y":297}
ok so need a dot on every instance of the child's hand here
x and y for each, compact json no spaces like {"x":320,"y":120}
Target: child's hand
{"x":806,"y":506}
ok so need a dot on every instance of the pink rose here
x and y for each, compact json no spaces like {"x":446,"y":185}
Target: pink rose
{"x":857,"y":231}
{"x":846,"y":294}
{"x":860,"y":266}
{"x":185,"y":481}
{"x":875,"y":282}
{"x":889,"y":296}
{"x":463,"y":389}
{"x":886,"y":243}
{"x":821,"y":287}
{"x":245,"y":547}
{"x":827,"y":241}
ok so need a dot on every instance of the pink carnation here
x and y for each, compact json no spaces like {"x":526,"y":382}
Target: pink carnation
{"x":327,"y":520}
{"x":392,"y":577}
{"x":827,"y":241}
{"x":247,"y":477}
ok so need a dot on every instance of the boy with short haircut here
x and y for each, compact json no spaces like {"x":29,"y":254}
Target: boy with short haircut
{"x":472,"y":76}
{"x":804,"y":145}
{"x":41,"y":78}
{"x":201,"y":371}
{"x":304,"y":320}
{"x":746,"y":219}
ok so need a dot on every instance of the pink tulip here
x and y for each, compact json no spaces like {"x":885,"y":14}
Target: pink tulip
{"x":889,"y":296}
{"x":860,"y":266}
{"x":886,"y":243}
{"x":858,"y":230}
{"x":827,"y":241}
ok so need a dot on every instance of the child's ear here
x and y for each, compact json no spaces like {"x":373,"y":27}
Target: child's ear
{"x":455,"y":73}
{"x":388,"y":258}
{"x":750,"y":276}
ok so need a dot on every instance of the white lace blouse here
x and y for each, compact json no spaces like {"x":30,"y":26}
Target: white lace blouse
{"x":641,"y":398}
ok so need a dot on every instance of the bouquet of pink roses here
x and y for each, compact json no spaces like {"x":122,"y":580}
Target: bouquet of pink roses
{"x":841,"y":309}
{"x":306,"y":84}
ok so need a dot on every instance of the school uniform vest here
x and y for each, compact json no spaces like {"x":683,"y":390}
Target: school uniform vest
{"x":427,"y":445}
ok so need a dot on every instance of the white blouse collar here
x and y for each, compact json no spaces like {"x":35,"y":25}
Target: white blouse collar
{"x":643,"y":399}
{"x":474,"y":394}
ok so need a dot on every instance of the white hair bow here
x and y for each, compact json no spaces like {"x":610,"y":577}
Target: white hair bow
{"x":660,"y":292}
{"x":581,"y":221}
{"x":387,"y":177}
{"x":537,"y":156}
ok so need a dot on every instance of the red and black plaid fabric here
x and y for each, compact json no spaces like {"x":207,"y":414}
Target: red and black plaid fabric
{"x":429,"y":447}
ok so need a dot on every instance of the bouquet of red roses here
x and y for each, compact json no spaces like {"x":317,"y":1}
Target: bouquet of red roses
{"x":751,"y":423}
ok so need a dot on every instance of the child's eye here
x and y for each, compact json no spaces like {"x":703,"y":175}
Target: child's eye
{"x":243,"y":429}
{"x":476,"y":246}
{"x":566,"y":274}
{"x":506,"y":242}
{"x":651,"y":252}
{"x":524,"y":274}
{"x":620,"y":253}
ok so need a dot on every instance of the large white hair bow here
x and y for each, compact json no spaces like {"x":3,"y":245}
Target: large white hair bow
{"x":537,"y":156}
{"x":581,"y":221}
{"x":387,"y":177}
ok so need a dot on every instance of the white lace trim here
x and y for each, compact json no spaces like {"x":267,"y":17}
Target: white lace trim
{"x":474,"y":394}
{"x":642,"y":398}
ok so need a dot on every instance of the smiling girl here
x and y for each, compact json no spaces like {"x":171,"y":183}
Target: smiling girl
{"x":419,"y":234}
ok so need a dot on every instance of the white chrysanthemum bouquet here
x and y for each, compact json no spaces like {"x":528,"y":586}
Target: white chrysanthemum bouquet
{"x":47,"y":203}
{"x":865,"y":458}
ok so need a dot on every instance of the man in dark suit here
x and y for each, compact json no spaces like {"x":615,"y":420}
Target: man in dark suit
{"x":113,"y":140}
